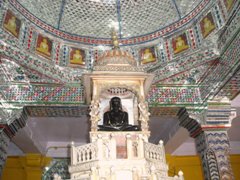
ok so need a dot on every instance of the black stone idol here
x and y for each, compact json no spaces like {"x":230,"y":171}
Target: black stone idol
{"x":116,"y":119}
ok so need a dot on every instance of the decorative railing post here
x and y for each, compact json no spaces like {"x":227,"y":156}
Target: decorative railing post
{"x":162,"y":151}
{"x":73,"y":154}
{"x":129,"y":147}
{"x":93,"y":175}
{"x":113,"y":145}
{"x":100,"y":146}
{"x":140,"y":146}
{"x":153,"y":173}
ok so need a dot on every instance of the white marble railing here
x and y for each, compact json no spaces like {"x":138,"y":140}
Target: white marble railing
{"x":83,"y":153}
{"x":154,"y":152}
{"x":106,"y":149}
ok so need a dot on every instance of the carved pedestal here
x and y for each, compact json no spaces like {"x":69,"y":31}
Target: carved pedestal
{"x":119,"y":155}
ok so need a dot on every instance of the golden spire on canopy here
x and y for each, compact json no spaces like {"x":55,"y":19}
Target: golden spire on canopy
{"x":115,"y":39}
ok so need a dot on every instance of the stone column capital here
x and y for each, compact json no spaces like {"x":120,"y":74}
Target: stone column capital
{"x":215,"y":116}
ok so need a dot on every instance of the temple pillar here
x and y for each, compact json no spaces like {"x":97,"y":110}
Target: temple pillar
{"x":129,"y":147}
{"x":11,"y":122}
{"x":213,"y":147}
{"x":28,"y":167}
{"x":4,"y":142}
{"x":209,"y":129}
{"x":33,"y":165}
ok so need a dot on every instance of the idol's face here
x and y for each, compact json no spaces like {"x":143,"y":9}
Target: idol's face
{"x":116,"y":103}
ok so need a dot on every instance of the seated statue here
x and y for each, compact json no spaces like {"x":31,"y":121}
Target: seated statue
{"x":148,"y":56}
{"x":208,"y":26}
{"x":180,"y":45}
{"x":116,"y":119}
{"x":11,"y":25}
{"x":43,"y":47}
{"x":77,"y":58}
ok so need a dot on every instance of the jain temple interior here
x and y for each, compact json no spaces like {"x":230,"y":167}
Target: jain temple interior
{"x":119,"y":89}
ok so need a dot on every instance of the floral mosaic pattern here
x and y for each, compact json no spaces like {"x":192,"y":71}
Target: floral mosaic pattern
{"x":40,"y":94}
{"x":59,"y":167}
{"x":178,"y":95}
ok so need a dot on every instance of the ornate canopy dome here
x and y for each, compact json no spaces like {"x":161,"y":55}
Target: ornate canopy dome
{"x":116,"y":60}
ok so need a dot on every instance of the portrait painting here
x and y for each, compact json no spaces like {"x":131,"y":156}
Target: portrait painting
{"x":76,"y":56}
{"x":207,"y":25}
{"x":148,"y":55}
{"x":44,"y":46}
{"x":229,"y":4}
{"x":11,"y":23}
{"x":180,"y":43}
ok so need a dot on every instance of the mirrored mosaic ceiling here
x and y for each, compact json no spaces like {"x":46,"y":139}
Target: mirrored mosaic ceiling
{"x":93,"y":18}
{"x":177,"y":58}
{"x":196,"y":43}
{"x":92,"y":29}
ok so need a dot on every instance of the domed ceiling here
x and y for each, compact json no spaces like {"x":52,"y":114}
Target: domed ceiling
{"x":93,"y":18}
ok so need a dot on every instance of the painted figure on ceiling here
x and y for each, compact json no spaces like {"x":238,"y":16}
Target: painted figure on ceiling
{"x":12,"y":24}
{"x":180,"y":43}
{"x":44,"y":46}
{"x":148,"y":55}
{"x":207,"y":25}
{"x":229,"y":4}
{"x":77,"y":57}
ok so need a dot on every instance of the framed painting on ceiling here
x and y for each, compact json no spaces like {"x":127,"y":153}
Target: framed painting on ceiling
{"x":148,"y":55}
{"x":77,"y":57}
{"x":44,"y":46}
{"x":11,"y":23}
{"x":180,"y":43}
{"x":207,"y":25}
{"x":229,"y":4}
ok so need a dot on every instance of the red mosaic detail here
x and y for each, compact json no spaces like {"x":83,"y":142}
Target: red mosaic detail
{"x":192,"y":38}
{"x":57,"y":53}
{"x":167,"y":48}
{"x":30,"y":38}
{"x":173,"y":95}
{"x":96,"y":54}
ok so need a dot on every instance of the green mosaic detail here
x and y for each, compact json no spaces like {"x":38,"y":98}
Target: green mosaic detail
{"x":59,"y":167}
{"x":38,"y":94}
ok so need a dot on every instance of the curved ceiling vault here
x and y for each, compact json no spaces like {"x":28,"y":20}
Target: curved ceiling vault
{"x":92,"y":18}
